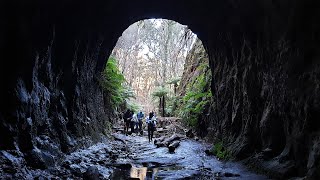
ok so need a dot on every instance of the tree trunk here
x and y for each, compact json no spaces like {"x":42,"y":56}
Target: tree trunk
{"x":160,"y":104}
{"x":163,"y":106}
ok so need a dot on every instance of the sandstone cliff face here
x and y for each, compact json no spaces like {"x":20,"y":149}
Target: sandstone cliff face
{"x":196,"y":78}
{"x":196,"y":57}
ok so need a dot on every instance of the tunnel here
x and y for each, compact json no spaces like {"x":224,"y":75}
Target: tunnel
{"x":264,"y":59}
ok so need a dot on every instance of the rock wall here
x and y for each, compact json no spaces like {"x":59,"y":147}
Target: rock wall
{"x":196,"y":78}
{"x":266,"y":107}
{"x":265,"y":83}
{"x":196,"y":57}
{"x":264,"y":58}
{"x":53,"y":115}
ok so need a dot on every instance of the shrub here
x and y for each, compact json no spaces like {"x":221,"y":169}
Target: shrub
{"x":112,"y":84}
{"x":220,"y":151}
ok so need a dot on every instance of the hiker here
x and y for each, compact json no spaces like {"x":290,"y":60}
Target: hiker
{"x":134,"y":121}
{"x":140,"y":116}
{"x":151,"y":114}
{"x":151,"y":122}
{"x":127,"y":119}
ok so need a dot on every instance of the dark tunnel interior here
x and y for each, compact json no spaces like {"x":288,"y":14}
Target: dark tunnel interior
{"x":264,"y":58}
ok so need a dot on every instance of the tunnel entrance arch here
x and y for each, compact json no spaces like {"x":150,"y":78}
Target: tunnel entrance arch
{"x":167,"y":68}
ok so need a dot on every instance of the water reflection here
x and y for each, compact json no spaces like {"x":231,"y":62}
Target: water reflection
{"x":143,"y":173}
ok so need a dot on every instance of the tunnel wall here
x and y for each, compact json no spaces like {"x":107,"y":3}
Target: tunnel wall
{"x":51,"y":101}
{"x":263,"y":56}
{"x":265,"y":86}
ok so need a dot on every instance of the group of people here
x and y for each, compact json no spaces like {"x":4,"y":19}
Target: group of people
{"x":134,"y":121}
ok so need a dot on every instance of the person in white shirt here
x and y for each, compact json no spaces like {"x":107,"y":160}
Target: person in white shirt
{"x":134,"y":122}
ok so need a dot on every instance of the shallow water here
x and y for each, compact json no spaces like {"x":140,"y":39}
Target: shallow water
{"x":147,"y":173}
{"x":188,"y":162}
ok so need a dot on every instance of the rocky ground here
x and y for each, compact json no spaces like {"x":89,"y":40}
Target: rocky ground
{"x":132,"y":157}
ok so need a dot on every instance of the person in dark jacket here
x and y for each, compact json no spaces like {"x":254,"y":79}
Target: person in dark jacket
{"x":127,"y":120}
{"x":140,"y":116}
{"x":151,"y":122}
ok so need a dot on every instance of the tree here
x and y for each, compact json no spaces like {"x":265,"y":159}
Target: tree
{"x":150,"y":53}
{"x":175,"y":82}
{"x":161,"y":92}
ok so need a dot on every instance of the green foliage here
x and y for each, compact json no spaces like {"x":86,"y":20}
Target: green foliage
{"x":112,"y":84}
{"x":133,"y":106}
{"x":174,"y":80}
{"x":195,"y":100}
{"x":172,"y":104}
{"x":220,"y":151}
{"x":159,"y":92}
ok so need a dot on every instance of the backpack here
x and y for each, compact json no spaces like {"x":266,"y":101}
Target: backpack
{"x":140,"y":115}
{"x":150,"y":122}
{"x":153,"y":121}
{"x":134,"y":118}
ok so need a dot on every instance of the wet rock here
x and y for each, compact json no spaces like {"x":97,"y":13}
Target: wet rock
{"x":218,"y":174}
{"x":92,"y":173}
{"x":76,"y":161}
{"x":190,"y":133}
{"x":274,"y":167}
{"x":314,"y":160}
{"x":167,"y":141}
{"x":35,"y":159}
{"x":11,"y":161}
{"x":267,"y":153}
{"x":76,"y":170}
{"x":123,"y":166}
{"x":101,"y":162}
{"x":41,"y":177}
{"x":227,"y":174}
{"x":173,"y":146}
{"x":159,"y":140}
{"x":208,"y":152}
{"x":113,"y":155}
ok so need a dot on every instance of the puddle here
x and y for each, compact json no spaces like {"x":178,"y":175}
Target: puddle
{"x":142,"y":173}
{"x":188,"y":162}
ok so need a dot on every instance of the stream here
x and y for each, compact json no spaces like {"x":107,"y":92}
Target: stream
{"x":122,"y":157}
{"x":189,"y":161}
